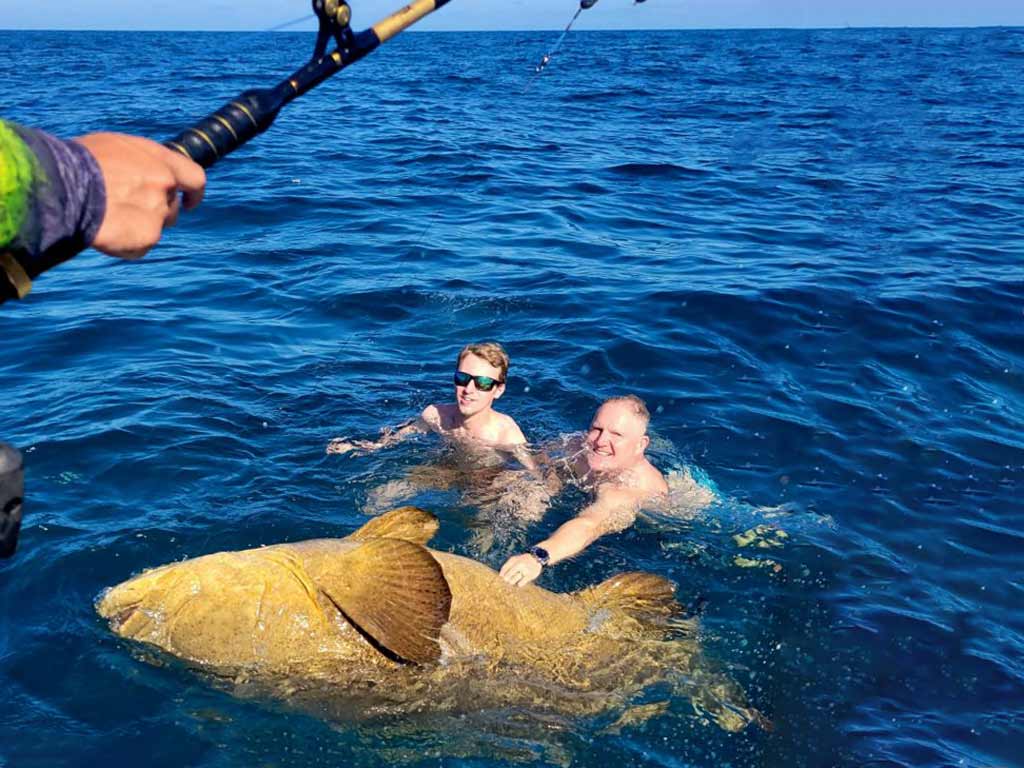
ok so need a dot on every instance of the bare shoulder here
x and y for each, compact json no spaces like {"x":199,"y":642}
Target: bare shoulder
{"x":511,"y":434}
{"x":641,"y":485}
{"x":614,"y":507}
{"x":653,"y":482}
{"x":614,"y":495}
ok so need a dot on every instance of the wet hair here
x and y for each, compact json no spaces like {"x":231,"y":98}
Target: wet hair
{"x":491,"y":351}
{"x":637,"y":406}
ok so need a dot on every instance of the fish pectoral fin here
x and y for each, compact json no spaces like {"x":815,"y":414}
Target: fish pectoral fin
{"x":644,"y":596}
{"x":406,"y":523}
{"x":395,"y":593}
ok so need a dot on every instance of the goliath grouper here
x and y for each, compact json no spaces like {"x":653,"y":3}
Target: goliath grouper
{"x":377,"y":625}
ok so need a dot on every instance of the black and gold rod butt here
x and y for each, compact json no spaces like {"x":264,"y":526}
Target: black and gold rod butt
{"x":229,"y":127}
{"x":253,"y":111}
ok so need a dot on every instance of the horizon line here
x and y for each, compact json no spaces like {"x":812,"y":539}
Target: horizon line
{"x":765,"y":28}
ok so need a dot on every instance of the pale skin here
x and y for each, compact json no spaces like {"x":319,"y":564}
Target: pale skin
{"x":471,"y":419}
{"x":147,"y":185}
{"x":612,"y":460}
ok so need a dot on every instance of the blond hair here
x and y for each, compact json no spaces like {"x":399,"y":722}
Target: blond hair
{"x":637,"y":406}
{"x":491,"y":351}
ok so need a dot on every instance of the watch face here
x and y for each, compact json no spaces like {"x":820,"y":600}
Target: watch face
{"x":541,"y":554}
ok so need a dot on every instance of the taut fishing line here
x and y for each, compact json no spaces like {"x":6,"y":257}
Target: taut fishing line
{"x":546,"y":58}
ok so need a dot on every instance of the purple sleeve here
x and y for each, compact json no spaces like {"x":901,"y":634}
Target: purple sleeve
{"x":66,"y":204}
{"x":72,"y":204}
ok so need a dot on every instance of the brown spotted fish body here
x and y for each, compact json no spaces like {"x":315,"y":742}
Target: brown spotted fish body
{"x":376,"y":623}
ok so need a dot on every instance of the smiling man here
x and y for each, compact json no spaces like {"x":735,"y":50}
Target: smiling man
{"x":613,"y":465}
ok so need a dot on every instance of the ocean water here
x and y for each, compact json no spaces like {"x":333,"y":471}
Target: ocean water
{"x":804,"y":249}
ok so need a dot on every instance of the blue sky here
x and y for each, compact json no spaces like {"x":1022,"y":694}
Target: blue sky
{"x":519,"y":14}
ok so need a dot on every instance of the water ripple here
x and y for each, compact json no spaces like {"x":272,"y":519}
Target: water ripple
{"x":802,"y":248}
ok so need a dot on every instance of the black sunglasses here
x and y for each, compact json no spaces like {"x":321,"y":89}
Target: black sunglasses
{"x":483,"y":383}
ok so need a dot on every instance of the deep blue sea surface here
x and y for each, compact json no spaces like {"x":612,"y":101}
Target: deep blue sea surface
{"x":804,"y":249}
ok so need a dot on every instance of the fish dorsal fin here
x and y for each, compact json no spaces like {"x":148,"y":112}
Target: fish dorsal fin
{"x":406,"y":523}
{"x":644,"y":596}
{"x":395,"y":593}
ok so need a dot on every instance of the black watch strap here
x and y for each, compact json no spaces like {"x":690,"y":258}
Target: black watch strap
{"x":541,"y":555}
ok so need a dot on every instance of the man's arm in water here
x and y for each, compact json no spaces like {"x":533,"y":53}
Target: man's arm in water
{"x":425,"y":422}
{"x":109,"y":191}
{"x":614,"y":509}
{"x":521,"y":453}
{"x":515,"y":442}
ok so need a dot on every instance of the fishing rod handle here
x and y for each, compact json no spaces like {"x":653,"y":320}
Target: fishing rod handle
{"x":253,"y":111}
{"x":242,"y":118}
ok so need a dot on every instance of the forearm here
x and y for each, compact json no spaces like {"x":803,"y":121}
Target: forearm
{"x":388,"y":438}
{"x":391,"y":437}
{"x":540,"y":467}
{"x":52,"y":203}
{"x":522,"y":454}
{"x":570,"y":539}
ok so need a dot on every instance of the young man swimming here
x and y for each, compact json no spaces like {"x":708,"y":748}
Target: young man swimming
{"x":471,"y":421}
{"x":611,"y":463}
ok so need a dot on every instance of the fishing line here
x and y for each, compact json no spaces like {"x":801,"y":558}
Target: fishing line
{"x":291,"y":23}
{"x":333,"y":17}
{"x":253,"y":111}
{"x":546,"y":58}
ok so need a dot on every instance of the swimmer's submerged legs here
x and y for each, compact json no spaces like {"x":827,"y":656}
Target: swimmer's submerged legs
{"x":423,"y":477}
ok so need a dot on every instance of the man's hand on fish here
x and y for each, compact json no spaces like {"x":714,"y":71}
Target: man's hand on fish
{"x":520,"y":570}
{"x":571,"y":538}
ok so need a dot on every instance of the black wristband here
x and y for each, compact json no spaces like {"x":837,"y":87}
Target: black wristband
{"x":541,"y":555}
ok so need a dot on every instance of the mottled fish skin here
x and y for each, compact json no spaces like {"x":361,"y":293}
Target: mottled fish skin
{"x":280,"y":619}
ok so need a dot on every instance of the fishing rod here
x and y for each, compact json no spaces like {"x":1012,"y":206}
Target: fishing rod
{"x":584,"y":5}
{"x":217,"y":135}
{"x":253,"y":111}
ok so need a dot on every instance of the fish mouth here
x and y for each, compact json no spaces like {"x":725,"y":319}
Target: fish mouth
{"x":117,"y":606}
{"x":129,"y":608}
{"x":126,"y":620}
{"x":110,"y":606}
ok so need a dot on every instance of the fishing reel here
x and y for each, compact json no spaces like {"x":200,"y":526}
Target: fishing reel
{"x":12,"y":488}
{"x":334,"y":17}
{"x":253,"y":111}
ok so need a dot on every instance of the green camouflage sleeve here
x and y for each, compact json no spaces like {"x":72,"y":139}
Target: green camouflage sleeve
{"x":52,"y":202}
{"x":17,"y":169}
